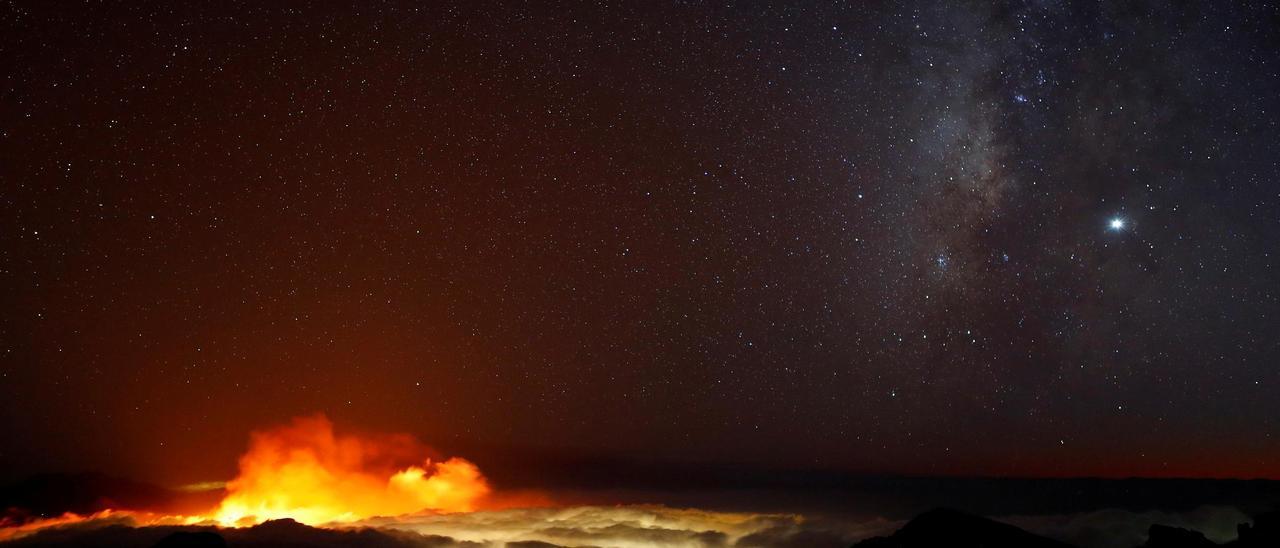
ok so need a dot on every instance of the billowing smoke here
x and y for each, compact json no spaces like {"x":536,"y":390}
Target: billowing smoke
{"x":307,"y":472}
{"x":305,"y":483}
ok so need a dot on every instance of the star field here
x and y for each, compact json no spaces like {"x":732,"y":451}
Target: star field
{"x":1037,"y":238}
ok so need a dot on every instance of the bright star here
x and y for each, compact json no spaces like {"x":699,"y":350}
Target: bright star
{"x":1116,"y":224}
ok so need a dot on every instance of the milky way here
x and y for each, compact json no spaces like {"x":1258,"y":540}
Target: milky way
{"x":920,"y":238}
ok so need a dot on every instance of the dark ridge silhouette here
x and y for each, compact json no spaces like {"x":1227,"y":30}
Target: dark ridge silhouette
{"x":945,"y":528}
{"x":1264,"y":532}
{"x":952,"y":529}
{"x":1164,"y":536}
{"x":284,"y":533}
{"x":192,"y":539}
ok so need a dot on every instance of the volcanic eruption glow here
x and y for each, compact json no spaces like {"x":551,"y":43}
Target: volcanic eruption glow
{"x":306,"y":472}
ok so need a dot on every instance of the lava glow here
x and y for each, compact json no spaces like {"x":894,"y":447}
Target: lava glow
{"x":306,"y":472}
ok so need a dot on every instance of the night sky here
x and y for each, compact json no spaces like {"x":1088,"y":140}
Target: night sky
{"x":1038,"y":238}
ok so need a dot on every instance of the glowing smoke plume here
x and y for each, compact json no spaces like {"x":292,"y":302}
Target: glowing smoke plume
{"x":306,"y":472}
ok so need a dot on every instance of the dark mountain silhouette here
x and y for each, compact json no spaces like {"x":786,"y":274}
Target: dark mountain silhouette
{"x":952,"y":529}
{"x":283,"y":533}
{"x":1164,"y":536}
{"x":945,"y":528}
{"x":192,"y":539}
{"x":1264,"y":532}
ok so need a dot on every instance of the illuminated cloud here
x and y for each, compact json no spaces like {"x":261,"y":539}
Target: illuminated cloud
{"x":620,"y":527}
{"x":307,"y":472}
{"x":634,"y":526}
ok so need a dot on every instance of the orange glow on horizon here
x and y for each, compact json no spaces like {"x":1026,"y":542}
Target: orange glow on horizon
{"x":306,"y":472}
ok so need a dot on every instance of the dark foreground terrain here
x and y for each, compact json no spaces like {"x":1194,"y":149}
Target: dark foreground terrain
{"x":939,"y":528}
{"x":951,"y":529}
{"x":841,"y":511}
